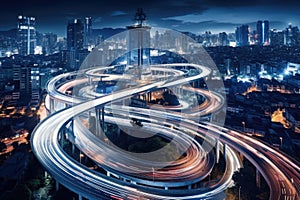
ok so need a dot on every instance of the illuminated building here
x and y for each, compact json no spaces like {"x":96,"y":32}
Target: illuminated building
{"x":49,"y":42}
{"x":223,"y":39}
{"x":242,"y":35}
{"x":75,"y":42}
{"x":276,"y":37}
{"x":138,"y":44}
{"x":75,"y":32}
{"x":87,"y":30}
{"x":35,"y":82}
{"x":26,"y":35}
{"x":262,"y":31}
{"x":291,"y":35}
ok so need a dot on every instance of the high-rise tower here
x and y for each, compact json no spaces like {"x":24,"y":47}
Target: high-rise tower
{"x":75,"y":32}
{"x":87,"y":30}
{"x":138,"y":44}
{"x":26,"y":35}
{"x":262,"y":29}
{"x":242,"y":35}
{"x":291,"y":36}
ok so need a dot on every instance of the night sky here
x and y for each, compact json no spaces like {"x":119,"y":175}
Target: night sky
{"x":196,"y":16}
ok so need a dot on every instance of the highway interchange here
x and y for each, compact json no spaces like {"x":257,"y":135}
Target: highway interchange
{"x":279,"y":171}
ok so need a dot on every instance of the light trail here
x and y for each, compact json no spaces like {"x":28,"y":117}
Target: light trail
{"x":278,"y":170}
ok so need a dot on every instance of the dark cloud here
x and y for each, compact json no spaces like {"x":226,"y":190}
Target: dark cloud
{"x":118,"y":13}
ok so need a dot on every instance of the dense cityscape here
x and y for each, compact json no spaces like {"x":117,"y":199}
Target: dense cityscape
{"x":259,"y":67}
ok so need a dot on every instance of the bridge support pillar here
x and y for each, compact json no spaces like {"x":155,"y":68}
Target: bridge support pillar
{"x":56,"y":185}
{"x":73,"y":148}
{"x":118,"y":132}
{"x":79,"y":197}
{"x":178,"y":92}
{"x":90,"y":80}
{"x":51,"y":105}
{"x":108,"y":173}
{"x":189,"y":187}
{"x":217,"y":151}
{"x":102,"y":117}
{"x":224,"y":150}
{"x":166,"y":188}
{"x":61,"y":138}
{"x":257,"y":178}
{"x":46,"y":174}
{"x":98,"y":129}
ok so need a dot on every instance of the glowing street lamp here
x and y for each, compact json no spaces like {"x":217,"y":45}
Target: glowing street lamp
{"x":243,"y":125}
{"x":80,"y":156}
{"x":280,"y":141}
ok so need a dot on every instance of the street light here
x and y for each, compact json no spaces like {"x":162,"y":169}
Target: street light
{"x":240,"y":192}
{"x":80,"y":156}
{"x":280,"y":141}
{"x":243,"y":125}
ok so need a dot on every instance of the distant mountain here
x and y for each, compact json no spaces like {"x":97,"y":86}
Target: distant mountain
{"x":107,"y":32}
{"x":12,"y":33}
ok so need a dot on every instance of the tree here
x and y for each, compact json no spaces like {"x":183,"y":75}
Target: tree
{"x":245,"y":179}
{"x":20,"y":192}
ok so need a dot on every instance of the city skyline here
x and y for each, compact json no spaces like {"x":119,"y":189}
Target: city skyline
{"x":193,"y":16}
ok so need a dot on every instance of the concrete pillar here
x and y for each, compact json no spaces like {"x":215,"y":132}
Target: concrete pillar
{"x":51,"y":105}
{"x":102,"y":117}
{"x":97,"y":121}
{"x":118,"y":132}
{"x":90,"y":80}
{"x":79,"y":197}
{"x":217,"y":151}
{"x":56,"y":185}
{"x":224,"y":150}
{"x":189,"y":187}
{"x":73,"y":148}
{"x":108,"y":173}
{"x":257,"y":178}
{"x":90,"y":117}
{"x":71,"y":128}
{"x":166,"y":188}
{"x":46,"y":174}
{"x":61,"y":138}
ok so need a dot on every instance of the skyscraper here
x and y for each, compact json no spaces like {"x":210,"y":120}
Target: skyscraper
{"x":223,"y":39}
{"x":291,"y":36}
{"x":35,"y":82}
{"x":75,"y":33}
{"x":138,"y":44}
{"x":87,"y":30}
{"x":242,"y":35}
{"x":49,"y":42}
{"x":26,"y":35}
{"x":262,"y":31}
{"x":276,"y":37}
